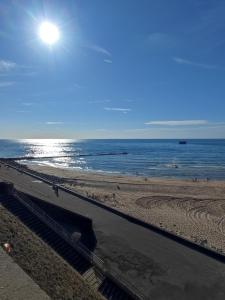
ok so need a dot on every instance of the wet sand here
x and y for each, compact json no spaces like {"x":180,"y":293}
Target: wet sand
{"x":194,"y":210}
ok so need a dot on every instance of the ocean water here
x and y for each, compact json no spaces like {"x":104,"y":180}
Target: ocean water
{"x":154,"y":158}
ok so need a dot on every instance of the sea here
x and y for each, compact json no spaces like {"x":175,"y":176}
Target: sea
{"x":198,"y":158}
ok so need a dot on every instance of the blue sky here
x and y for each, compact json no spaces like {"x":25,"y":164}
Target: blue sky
{"x":121,"y":69}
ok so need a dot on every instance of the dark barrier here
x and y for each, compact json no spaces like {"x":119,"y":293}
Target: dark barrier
{"x":71,"y":221}
{"x":6,"y":188}
{"x":63,"y":215}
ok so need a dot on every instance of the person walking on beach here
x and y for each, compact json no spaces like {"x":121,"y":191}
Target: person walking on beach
{"x":56,"y":189}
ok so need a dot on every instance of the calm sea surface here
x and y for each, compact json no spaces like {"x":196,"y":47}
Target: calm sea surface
{"x":158,"y":158}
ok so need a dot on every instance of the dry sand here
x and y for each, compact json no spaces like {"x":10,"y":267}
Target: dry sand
{"x":194,"y":210}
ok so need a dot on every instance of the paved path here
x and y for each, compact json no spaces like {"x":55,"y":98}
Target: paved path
{"x":160,"y":267}
{"x":15,"y":284}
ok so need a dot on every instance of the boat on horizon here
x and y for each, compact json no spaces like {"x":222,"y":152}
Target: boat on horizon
{"x":182,"y":142}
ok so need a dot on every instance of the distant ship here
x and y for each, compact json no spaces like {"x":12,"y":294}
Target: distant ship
{"x":182,"y":142}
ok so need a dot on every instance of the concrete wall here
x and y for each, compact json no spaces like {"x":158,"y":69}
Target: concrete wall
{"x":62,"y":215}
{"x":71,"y":221}
{"x":6,"y":188}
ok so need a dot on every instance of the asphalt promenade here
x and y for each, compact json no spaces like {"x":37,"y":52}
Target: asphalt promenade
{"x":160,"y":267}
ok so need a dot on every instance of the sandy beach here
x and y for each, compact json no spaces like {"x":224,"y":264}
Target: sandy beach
{"x":194,"y":210}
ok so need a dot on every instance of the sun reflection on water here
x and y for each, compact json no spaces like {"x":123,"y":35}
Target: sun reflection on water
{"x":54,"y":152}
{"x":49,"y":147}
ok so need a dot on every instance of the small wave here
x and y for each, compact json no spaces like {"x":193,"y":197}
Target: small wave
{"x":173,"y":165}
{"x":165,"y":166}
{"x":101,"y":171}
{"x":45,"y":163}
{"x":217,"y":167}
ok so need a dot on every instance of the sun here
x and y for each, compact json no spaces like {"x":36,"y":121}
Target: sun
{"x":48,"y":33}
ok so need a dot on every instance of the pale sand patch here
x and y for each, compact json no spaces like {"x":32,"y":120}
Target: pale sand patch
{"x":194,"y":210}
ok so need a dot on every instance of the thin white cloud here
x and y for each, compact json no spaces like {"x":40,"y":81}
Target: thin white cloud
{"x":27,"y":103}
{"x":99,"y":49}
{"x":6,"y":65}
{"x":182,"y":61}
{"x":178,"y":123}
{"x":54,"y":123}
{"x":23,"y":111}
{"x":10,"y":68}
{"x":123,"y":110}
{"x":99,"y":101}
{"x":108,"y":61}
{"x":6,"y":83}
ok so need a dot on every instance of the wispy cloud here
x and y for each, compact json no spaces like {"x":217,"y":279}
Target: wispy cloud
{"x":10,"y":68}
{"x":99,"y":101}
{"x":6,"y":65}
{"x":54,"y":123}
{"x":108,"y":61}
{"x":123,"y":110}
{"x":6,"y":83}
{"x":99,"y":49}
{"x":182,"y":61}
{"x":178,"y":123}
{"x":23,"y":111}
{"x":27,"y":103}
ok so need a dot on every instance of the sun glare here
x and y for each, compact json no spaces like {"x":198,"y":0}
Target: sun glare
{"x":49,"y":33}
